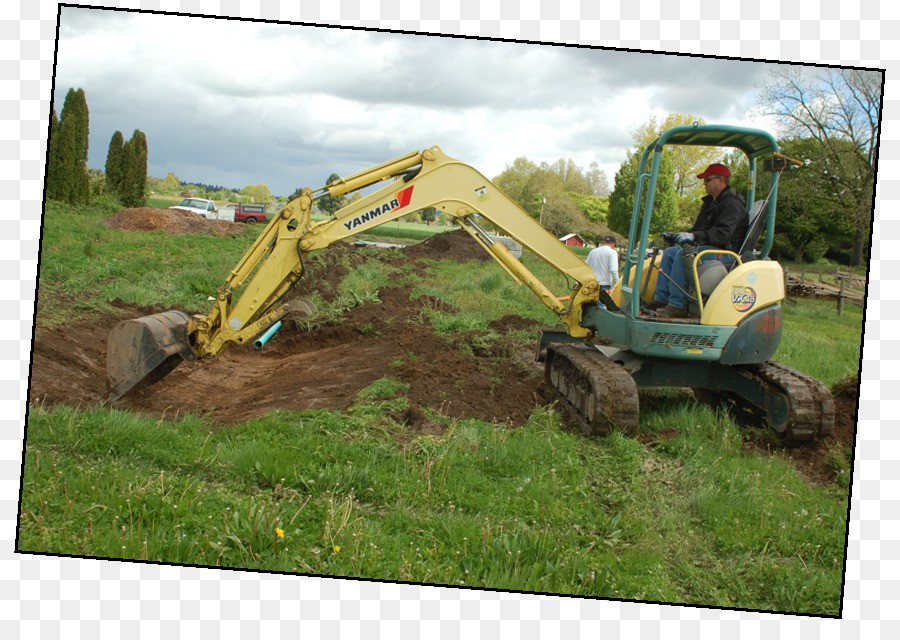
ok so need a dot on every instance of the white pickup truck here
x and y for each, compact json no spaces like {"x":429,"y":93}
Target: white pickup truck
{"x":204,"y":208}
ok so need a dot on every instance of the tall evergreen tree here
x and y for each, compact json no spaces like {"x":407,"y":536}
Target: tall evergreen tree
{"x":54,"y":160}
{"x":67,"y":175}
{"x":621,"y":200}
{"x":114,"y":163}
{"x":134,"y":170}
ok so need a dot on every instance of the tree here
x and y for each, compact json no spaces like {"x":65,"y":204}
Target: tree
{"x":114,"y":162}
{"x":134,"y":171}
{"x":172,"y":183}
{"x":328,"y":203}
{"x":517,"y":181}
{"x":258,"y":193}
{"x":808,"y":219}
{"x":562,"y":216}
{"x":428,"y":214}
{"x":687,"y":160}
{"x":621,"y":200}
{"x":573,"y":179}
{"x":599,"y":181}
{"x":54,"y":159}
{"x":841,"y":110}
{"x":67,"y":175}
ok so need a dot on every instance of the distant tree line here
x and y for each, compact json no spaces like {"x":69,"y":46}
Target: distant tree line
{"x":208,"y":188}
{"x":562,"y":196}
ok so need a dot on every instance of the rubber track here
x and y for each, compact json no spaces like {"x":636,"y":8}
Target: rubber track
{"x":812,"y":407}
{"x":596,"y":391}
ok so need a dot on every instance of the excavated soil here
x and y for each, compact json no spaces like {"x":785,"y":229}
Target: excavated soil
{"x":323,"y":368}
{"x":326,"y":367}
{"x":171,"y":221}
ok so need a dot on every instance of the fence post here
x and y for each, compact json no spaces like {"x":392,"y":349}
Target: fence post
{"x":840,"y":304}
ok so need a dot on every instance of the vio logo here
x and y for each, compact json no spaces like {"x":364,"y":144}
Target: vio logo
{"x":743,"y":298}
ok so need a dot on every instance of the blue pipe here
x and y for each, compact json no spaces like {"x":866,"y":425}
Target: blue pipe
{"x":264,"y":338}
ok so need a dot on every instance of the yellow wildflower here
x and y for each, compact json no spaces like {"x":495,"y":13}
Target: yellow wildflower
{"x":279,"y":532}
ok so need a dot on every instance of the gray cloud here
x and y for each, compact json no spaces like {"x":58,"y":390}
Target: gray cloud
{"x":235,"y":103}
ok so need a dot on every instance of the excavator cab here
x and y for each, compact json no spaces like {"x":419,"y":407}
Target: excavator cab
{"x":723,"y":349}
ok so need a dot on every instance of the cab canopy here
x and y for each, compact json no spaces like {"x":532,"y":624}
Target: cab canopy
{"x":754,"y":143}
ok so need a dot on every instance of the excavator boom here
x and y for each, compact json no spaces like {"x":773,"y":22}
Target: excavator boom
{"x":145,"y":349}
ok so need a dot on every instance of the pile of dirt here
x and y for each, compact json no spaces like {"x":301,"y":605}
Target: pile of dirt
{"x":171,"y":221}
{"x":449,"y":245}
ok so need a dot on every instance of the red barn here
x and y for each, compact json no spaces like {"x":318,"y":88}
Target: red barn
{"x":573,"y":240}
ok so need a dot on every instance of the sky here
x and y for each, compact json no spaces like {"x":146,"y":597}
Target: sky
{"x":237,"y":103}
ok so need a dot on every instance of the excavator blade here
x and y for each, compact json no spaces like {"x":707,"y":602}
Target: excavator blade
{"x":143,"y":350}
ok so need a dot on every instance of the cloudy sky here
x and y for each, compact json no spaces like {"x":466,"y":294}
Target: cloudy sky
{"x":237,"y":103}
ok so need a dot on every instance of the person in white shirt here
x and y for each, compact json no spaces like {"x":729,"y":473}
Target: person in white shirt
{"x":604,"y":260}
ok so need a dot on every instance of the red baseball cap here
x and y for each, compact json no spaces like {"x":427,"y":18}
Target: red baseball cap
{"x":715,"y":170}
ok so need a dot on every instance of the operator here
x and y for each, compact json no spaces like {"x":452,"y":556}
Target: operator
{"x":604,"y":260}
{"x":721,"y":224}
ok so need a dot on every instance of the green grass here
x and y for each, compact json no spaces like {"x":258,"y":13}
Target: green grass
{"x":817,"y":341}
{"x":532,"y":508}
{"x":86,"y":265}
{"x":694,"y":519}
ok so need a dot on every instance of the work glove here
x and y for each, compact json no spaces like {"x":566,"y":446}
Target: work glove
{"x":669,"y":236}
{"x":683,"y":237}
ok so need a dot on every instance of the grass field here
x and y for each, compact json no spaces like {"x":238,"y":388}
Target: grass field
{"x":696,"y":519}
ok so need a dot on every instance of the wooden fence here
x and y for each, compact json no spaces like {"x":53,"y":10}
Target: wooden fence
{"x":826,"y":284}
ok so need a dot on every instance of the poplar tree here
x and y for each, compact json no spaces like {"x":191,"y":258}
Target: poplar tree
{"x":114,"y":163}
{"x":54,"y":159}
{"x":134,"y":170}
{"x":67,"y":176}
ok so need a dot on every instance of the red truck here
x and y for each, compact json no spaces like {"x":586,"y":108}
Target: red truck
{"x":249,"y":213}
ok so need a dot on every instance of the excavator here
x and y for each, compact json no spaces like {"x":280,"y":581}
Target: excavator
{"x":611,"y":343}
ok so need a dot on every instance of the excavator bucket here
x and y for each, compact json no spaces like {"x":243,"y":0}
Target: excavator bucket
{"x":145,"y":349}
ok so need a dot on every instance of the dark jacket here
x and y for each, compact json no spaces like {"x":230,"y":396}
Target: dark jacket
{"x":722,"y":222}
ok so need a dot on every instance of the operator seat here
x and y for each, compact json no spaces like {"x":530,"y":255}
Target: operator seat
{"x":754,"y":230}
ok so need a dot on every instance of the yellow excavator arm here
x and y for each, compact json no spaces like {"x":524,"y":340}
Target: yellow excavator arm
{"x":252,"y":299}
{"x":418,"y":180}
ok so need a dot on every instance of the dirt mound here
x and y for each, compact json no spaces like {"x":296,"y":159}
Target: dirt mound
{"x":449,"y":245}
{"x":512,"y":323}
{"x":171,"y":221}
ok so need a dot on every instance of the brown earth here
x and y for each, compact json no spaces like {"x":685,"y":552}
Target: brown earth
{"x":322,"y":368}
{"x":172,"y":221}
{"x":327,"y":366}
